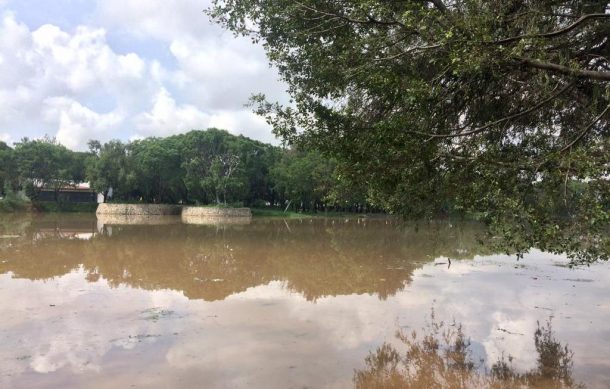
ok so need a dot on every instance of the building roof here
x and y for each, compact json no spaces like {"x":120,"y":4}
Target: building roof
{"x":73,"y":187}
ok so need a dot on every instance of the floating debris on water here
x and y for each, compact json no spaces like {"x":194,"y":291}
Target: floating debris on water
{"x":154,"y":314}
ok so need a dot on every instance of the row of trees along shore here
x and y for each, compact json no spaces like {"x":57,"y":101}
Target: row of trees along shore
{"x":199,"y":167}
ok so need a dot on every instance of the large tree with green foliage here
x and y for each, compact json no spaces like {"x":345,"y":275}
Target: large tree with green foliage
{"x":211,"y":166}
{"x":156,"y":167}
{"x":303,"y":179}
{"x":9,"y":177}
{"x":200,"y":150}
{"x":108,"y":168}
{"x":494,"y":106}
{"x":225,"y":179}
{"x":44,"y":163}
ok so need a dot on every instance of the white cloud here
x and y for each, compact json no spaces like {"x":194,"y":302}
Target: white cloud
{"x":214,"y":70}
{"x":243,"y":121}
{"x":167,"y":117}
{"x":77,"y":124}
{"x":185,"y":73}
{"x":223,"y":74}
{"x":15,"y":97}
{"x":203,"y":61}
{"x":161,"y":20}
{"x":47,"y":75}
{"x":82,"y":62}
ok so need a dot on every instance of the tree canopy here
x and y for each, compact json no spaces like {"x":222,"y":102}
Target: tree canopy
{"x":499,"y":107}
{"x":199,"y":167}
{"x":7,"y":168}
{"x":44,"y":163}
{"x":215,"y":167}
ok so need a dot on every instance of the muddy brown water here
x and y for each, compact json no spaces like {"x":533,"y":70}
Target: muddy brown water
{"x":276,"y":303}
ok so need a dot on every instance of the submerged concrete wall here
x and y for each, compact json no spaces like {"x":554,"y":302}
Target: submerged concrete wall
{"x":216,"y":220}
{"x":138,"y":209}
{"x":216,"y":216}
{"x":157,"y":214}
{"x":194,"y":212}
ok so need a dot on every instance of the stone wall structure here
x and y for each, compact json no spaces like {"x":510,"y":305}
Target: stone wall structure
{"x":216,"y":220}
{"x":138,"y":209}
{"x":216,"y":216}
{"x":157,"y":214}
{"x":215,"y":212}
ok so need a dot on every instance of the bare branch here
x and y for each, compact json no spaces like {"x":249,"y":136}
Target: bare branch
{"x":369,"y":20}
{"x":586,"y":129}
{"x":499,"y":121}
{"x":580,"y":73}
{"x":409,"y":50}
{"x":553,"y":34}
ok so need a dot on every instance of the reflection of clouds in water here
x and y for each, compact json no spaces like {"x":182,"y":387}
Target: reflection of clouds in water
{"x":495,"y":292}
{"x":498,"y":305}
{"x":496,"y":298}
{"x":270,"y":336}
{"x":348,"y":320}
{"x":263,"y":337}
{"x":70,"y":323}
{"x":510,"y":336}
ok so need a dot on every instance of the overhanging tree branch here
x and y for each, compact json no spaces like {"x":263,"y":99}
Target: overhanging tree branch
{"x":556,"y":68}
{"x":586,"y":129}
{"x":553,"y":34}
{"x":499,"y":121}
{"x":407,"y":51}
{"x":370,"y":19}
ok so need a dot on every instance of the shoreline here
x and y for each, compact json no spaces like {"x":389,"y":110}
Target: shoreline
{"x":190,"y":211}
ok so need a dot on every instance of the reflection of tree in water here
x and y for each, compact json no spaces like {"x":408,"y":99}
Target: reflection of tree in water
{"x":315,"y":258}
{"x":442,"y":358}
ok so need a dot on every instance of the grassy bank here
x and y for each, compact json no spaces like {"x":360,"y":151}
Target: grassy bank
{"x":18,"y":201}
{"x":275,"y":212}
{"x":9,"y":205}
{"x":14,"y":202}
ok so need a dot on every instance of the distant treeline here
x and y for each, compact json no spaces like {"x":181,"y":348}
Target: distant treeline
{"x":199,"y":167}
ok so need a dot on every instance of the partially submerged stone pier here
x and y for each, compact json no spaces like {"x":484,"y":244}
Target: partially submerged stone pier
{"x":138,"y":209}
{"x":216,"y":215}
{"x":150,"y":213}
{"x":215,"y":212}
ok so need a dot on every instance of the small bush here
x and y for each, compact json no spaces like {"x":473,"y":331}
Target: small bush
{"x":12,"y":203}
{"x":260,"y":204}
{"x":51,"y":206}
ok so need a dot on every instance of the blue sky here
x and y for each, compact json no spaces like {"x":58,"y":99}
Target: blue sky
{"x":126,"y":69}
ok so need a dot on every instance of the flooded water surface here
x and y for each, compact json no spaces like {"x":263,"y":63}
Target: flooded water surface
{"x":273,"y":303}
